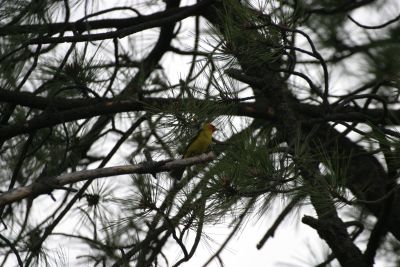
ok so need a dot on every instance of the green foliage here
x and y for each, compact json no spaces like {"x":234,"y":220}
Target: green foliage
{"x":75,"y":78}
{"x":249,"y":36}
{"x":22,"y":11}
{"x":278,"y":151}
{"x":382,"y":64}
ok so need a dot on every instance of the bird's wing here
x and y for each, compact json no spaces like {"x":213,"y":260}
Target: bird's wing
{"x":191,"y":142}
{"x":178,"y":173}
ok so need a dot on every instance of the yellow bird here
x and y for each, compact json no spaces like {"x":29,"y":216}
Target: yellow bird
{"x":197,"y":146}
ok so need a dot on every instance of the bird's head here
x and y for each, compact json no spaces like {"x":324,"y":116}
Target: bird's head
{"x":209,"y":127}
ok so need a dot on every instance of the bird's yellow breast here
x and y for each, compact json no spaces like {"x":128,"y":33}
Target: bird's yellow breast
{"x":200,"y":144}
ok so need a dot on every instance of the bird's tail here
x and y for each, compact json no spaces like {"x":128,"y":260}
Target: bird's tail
{"x":177,"y":173}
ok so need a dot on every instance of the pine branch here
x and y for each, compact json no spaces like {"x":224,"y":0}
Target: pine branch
{"x":46,"y":185}
{"x":75,"y":109}
{"x":334,"y":233}
{"x":128,"y":25}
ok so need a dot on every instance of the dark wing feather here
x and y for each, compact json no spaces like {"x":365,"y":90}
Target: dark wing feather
{"x":191,"y":142}
{"x":178,"y":173}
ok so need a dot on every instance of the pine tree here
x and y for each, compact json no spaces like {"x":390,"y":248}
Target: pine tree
{"x":98,"y":101}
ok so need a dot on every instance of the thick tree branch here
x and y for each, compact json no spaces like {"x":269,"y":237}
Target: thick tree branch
{"x":97,"y":108}
{"x":332,"y":232}
{"x":138,"y":23}
{"x":46,"y":185}
{"x":346,"y":113}
{"x":157,"y":21}
{"x":75,"y":109}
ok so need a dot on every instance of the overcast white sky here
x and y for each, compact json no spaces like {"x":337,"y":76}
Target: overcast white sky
{"x":293,"y":241}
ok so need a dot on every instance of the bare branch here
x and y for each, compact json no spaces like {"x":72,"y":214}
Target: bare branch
{"x":46,"y":185}
{"x":383,"y":25}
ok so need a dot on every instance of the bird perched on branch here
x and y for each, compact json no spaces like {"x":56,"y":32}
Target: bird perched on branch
{"x":198,"y":145}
